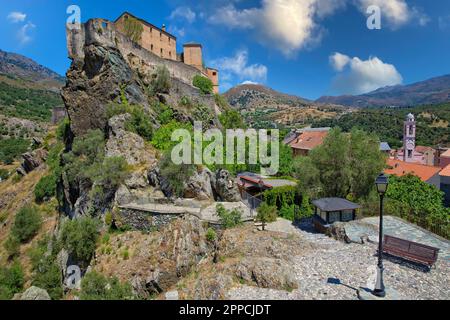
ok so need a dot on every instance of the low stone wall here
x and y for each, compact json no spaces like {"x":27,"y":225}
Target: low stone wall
{"x":145,"y":221}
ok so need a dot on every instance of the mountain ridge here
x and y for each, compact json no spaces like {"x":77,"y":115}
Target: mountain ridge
{"x":431,"y":91}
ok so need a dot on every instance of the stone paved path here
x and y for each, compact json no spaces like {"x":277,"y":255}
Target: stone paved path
{"x":398,"y":228}
{"x":335,"y":270}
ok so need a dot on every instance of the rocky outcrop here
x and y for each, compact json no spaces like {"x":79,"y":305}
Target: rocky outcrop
{"x":33,"y":293}
{"x":267,"y":273}
{"x":31,"y":161}
{"x":126,"y":144}
{"x":156,"y":260}
{"x":96,"y":81}
{"x":199,"y":186}
{"x":225,"y":187}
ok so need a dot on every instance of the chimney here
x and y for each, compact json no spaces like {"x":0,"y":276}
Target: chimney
{"x":163,"y":27}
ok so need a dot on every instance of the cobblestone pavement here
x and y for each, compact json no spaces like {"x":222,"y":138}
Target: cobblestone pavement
{"x":335,"y":270}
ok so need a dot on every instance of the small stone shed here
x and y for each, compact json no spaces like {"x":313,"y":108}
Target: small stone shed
{"x":330,"y":210}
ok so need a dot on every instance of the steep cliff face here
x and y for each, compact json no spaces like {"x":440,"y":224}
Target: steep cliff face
{"x":107,"y":66}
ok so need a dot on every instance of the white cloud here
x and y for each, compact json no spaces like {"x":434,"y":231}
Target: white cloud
{"x":358,"y":76}
{"x":178,"y":32}
{"x":444,"y":22}
{"x":288,"y":25}
{"x":24,"y":33}
{"x":16,"y":16}
{"x":339,"y":61}
{"x":396,"y":12}
{"x":183,"y":13}
{"x":238,"y":66}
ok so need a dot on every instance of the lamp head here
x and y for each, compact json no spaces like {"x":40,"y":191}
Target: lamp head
{"x":382,"y":183}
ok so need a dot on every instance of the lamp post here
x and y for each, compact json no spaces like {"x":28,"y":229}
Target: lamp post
{"x":382,"y":183}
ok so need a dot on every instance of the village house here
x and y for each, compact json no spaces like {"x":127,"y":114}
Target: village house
{"x":444,"y":159}
{"x":162,"y":43}
{"x":305,"y":140}
{"x":445,"y":184}
{"x":428,"y":174}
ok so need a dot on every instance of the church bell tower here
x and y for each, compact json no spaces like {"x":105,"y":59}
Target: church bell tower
{"x":409,"y":138}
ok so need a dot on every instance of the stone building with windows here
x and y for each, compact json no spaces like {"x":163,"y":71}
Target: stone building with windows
{"x":163,"y":44}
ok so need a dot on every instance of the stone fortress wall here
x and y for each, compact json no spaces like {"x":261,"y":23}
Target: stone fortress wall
{"x":104,"y":32}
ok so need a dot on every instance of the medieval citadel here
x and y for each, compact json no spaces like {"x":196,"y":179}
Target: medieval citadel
{"x":154,"y":45}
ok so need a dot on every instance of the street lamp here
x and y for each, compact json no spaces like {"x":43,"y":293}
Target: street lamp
{"x":382,"y":183}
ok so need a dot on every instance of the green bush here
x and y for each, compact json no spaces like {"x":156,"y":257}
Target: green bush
{"x":211,"y":235}
{"x":228,"y":218}
{"x":11,"y":281}
{"x":79,"y":237}
{"x":162,"y":138}
{"x":175,"y":174}
{"x":4,"y":174}
{"x":232,"y":119}
{"x":45,"y":188}
{"x":139,"y":123}
{"x":266,"y":214}
{"x":46,"y":272}
{"x":204,"y":84}
{"x":165,"y":114}
{"x":95,"y":286}
{"x":26,"y":223}
{"x":12,"y":246}
{"x":161,"y":82}
{"x":11,"y":149}
{"x":63,"y":130}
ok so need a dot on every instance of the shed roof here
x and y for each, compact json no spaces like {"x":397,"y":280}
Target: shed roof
{"x":335,"y":204}
{"x":384,"y":146}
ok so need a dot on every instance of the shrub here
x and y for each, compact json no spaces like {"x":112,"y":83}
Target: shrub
{"x":95,"y":286}
{"x":12,"y":246}
{"x":211,"y":235}
{"x":266,"y":213}
{"x":228,"y":218}
{"x":161,"y":81}
{"x":162,"y":138}
{"x":204,"y":84}
{"x":306,"y":210}
{"x":108,"y":218}
{"x":46,"y":272}
{"x":231,"y":119}
{"x":140,"y":123}
{"x":45,"y":188}
{"x":287,"y":212}
{"x":165,"y":114}
{"x":79,"y":237}
{"x":12,"y":148}
{"x":26,"y":223}
{"x":11,"y":281}
{"x":175,"y":174}
{"x":63,"y":130}
{"x":4,"y":174}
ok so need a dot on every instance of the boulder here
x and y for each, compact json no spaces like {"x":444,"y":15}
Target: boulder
{"x":199,"y":186}
{"x":267,"y":273}
{"x":225,"y":187}
{"x":32,"y":160}
{"x":34,"y":293}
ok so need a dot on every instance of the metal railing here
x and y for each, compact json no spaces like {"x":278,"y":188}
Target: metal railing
{"x":250,"y":201}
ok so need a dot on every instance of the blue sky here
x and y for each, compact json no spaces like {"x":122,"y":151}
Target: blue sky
{"x":305,"y":47}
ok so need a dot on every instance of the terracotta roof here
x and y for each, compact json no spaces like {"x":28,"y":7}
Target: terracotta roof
{"x":445,"y":172}
{"x":401,"y":168}
{"x":309,"y":140}
{"x":423,"y":149}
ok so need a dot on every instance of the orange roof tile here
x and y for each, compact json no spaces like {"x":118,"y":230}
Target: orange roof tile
{"x":445,"y":172}
{"x":308,"y":140}
{"x":401,"y":168}
{"x":423,"y":149}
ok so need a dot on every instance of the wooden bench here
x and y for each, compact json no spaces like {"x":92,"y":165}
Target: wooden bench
{"x":410,"y":250}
